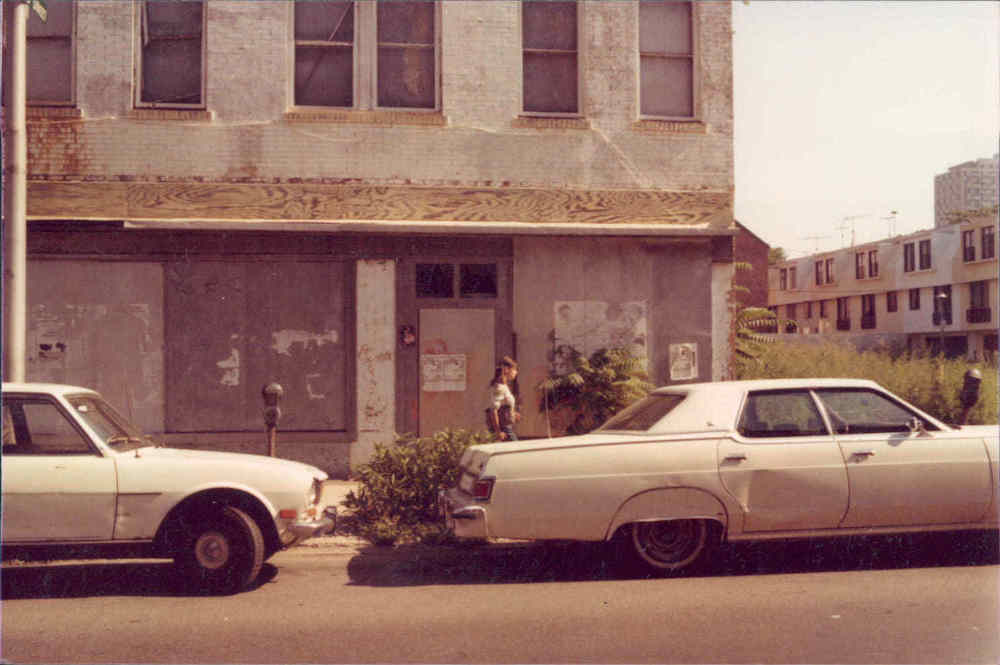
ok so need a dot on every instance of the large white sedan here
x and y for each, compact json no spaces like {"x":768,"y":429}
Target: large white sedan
{"x":694,"y":465}
{"x":75,"y":472}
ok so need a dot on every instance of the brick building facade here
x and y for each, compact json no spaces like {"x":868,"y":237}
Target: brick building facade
{"x":370,"y":207}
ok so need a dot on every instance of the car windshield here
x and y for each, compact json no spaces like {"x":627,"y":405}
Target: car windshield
{"x":642,"y":415}
{"x":113,"y":429}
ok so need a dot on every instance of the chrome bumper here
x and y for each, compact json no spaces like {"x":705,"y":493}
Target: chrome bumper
{"x":323,"y":526}
{"x":464,"y":516}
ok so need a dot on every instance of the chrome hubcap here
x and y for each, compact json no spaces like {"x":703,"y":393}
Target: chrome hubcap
{"x":211,"y":550}
{"x":670,"y":544}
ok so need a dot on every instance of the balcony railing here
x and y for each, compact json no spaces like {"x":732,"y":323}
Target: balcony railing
{"x":978,"y":314}
{"x":942,"y":317}
{"x":843,"y":324}
{"x":867,"y":321}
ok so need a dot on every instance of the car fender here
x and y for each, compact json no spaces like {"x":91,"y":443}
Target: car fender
{"x":141,"y":515}
{"x":669,"y":503}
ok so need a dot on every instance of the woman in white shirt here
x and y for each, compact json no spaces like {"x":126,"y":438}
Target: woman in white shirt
{"x":501,"y":412}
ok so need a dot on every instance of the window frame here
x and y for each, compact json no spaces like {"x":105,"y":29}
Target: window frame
{"x":71,"y":102}
{"x":914,"y":300}
{"x":782,"y":279}
{"x":979,"y":294}
{"x":922,"y":245}
{"x":859,"y":265}
{"x":578,"y":113}
{"x":968,"y":245}
{"x":892,"y":301}
{"x":987,"y":239}
{"x":296,"y":43}
{"x":873,"y":263}
{"x":909,"y":257}
{"x":365,"y":74}
{"x":693,"y":57}
{"x":819,"y":272}
{"x":140,"y":13}
{"x":828,"y":269}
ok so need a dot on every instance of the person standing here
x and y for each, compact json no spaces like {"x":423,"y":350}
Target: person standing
{"x":501,"y":412}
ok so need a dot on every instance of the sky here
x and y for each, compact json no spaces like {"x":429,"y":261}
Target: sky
{"x":845,"y":112}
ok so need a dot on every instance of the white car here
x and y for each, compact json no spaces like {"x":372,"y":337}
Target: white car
{"x":694,"y":465}
{"x":75,"y":472}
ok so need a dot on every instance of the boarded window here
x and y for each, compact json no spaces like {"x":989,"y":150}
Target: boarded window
{"x":406,"y":54}
{"x":324,"y":53}
{"x":666,"y":59}
{"x":237,"y":326}
{"x":171,"y":55}
{"x":549,"y":42}
{"x":49,"y":75}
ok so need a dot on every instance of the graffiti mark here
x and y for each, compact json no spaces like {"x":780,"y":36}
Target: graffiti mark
{"x":231,"y":369}
{"x":284,"y":340}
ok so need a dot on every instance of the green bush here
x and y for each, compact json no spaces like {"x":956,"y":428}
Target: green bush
{"x":930,"y":383}
{"x":398,"y":486}
{"x":597,"y":388}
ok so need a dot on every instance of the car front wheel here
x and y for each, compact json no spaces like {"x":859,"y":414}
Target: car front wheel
{"x":222,"y":552}
{"x":668,"y":547}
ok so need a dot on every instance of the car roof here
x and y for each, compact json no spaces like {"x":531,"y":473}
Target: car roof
{"x":767,"y":384}
{"x":44,"y":388}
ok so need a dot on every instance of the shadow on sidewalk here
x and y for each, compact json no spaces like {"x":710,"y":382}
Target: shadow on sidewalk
{"x":521,"y":563}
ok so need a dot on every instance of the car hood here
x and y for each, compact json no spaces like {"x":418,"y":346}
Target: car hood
{"x":235,"y":459}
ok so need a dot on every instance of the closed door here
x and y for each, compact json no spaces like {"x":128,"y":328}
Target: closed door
{"x":457,"y":358}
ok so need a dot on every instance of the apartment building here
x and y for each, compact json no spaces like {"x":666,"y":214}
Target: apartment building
{"x":370,"y":203}
{"x":925,"y":289}
{"x":968,"y":186}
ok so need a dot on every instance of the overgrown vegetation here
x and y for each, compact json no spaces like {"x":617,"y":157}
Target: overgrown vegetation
{"x":930,"y":383}
{"x":596,"y":388}
{"x":396,"y":500}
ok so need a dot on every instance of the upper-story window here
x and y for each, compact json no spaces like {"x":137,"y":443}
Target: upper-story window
{"x":50,"y":61}
{"x":988,"y":243}
{"x":828,"y":267}
{"x":549,"y":48}
{"x":914,"y":299}
{"x":819,"y":273}
{"x":783,"y":279}
{"x":666,"y":59}
{"x":925,"y":254}
{"x":859,"y":265}
{"x":873,"y":263}
{"x":909,"y":257}
{"x":366,"y":54}
{"x":891,"y":301}
{"x":792,"y":278}
{"x":969,"y":245}
{"x":171,"y":54}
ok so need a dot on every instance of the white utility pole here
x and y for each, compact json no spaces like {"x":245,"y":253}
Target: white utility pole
{"x":15,"y":186}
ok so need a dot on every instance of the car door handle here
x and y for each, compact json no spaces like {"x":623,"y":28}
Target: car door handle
{"x":863,"y":453}
{"x":735,"y":457}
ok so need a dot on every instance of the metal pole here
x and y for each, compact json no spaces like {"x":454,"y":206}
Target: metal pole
{"x":15,"y":229}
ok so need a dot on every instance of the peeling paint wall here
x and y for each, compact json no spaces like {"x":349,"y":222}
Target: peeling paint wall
{"x":376,"y":360}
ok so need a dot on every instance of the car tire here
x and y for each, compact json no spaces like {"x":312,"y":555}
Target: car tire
{"x":222,"y":552}
{"x":668,"y":547}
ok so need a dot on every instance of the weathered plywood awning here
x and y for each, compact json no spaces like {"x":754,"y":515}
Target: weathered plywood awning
{"x":357,"y":208}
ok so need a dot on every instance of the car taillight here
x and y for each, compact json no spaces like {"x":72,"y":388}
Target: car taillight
{"x":483,"y":488}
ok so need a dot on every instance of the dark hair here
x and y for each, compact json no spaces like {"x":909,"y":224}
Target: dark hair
{"x":507,"y":361}
{"x":498,"y":375}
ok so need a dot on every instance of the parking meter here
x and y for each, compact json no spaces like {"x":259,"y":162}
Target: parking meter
{"x":272,"y":393}
{"x":969,"y":394}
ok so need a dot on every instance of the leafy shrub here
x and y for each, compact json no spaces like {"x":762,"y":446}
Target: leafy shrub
{"x":398,"y":486}
{"x":597,"y":388}
{"x":930,"y":383}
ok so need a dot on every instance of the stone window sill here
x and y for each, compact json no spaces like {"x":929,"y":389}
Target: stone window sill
{"x":379,"y":117}
{"x":188,"y":115}
{"x":546,"y":122}
{"x":670,"y":126}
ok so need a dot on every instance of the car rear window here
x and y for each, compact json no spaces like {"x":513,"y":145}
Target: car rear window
{"x":645,"y":413}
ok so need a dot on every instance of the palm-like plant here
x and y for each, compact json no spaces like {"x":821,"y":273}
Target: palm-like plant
{"x":596,"y":388}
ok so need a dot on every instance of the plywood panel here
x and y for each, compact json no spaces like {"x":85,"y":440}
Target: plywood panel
{"x":455,"y":339}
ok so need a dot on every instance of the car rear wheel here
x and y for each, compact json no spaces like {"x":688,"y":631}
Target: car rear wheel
{"x":222,"y":552}
{"x":669,"y":547}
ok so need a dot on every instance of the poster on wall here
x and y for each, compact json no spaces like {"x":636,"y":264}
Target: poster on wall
{"x":684,"y":361}
{"x":585,"y":326}
{"x":443,"y":372}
